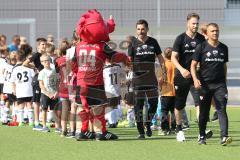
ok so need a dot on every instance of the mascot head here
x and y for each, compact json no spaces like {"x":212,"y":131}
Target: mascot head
{"x":92,"y":28}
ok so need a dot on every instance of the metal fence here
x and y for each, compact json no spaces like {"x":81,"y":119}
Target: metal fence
{"x":166,"y":18}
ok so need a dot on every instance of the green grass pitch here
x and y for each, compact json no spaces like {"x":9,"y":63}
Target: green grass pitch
{"x":21,"y":143}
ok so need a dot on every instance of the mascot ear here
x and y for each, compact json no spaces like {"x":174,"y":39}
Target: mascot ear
{"x":80,"y":26}
{"x":110,"y":25}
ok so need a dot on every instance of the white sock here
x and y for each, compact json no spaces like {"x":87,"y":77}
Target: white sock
{"x":20,"y":115}
{"x":25,"y":113}
{"x":30,"y":115}
{"x":36,"y":123}
{"x":114,"y":116}
{"x":50,"y":116}
{"x":14,"y":110}
{"x":1,"y":112}
{"x":5,"y":113}
{"x":120,"y":112}
{"x":16,"y":114}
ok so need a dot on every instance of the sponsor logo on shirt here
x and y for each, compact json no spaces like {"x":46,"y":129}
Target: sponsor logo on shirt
{"x":189,"y":51}
{"x":86,"y":68}
{"x":144,"y":53}
{"x":214,"y":60}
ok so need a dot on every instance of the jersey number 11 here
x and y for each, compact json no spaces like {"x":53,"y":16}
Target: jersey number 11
{"x":113,"y":78}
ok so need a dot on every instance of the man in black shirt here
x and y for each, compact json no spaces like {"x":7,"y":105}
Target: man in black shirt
{"x":212,"y":56}
{"x":143,"y":51}
{"x":34,"y":62}
{"x":183,"y":49}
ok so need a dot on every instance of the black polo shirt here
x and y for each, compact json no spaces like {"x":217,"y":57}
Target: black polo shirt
{"x":143,"y":56}
{"x":185,"y":46}
{"x":212,"y":61}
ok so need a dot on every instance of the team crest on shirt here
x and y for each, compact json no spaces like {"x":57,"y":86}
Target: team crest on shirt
{"x":201,"y":97}
{"x":215,"y":52}
{"x":138,"y":49}
{"x":208,"y":54}
{"x":186,"y":45}
{"x":194,"y":44}
{"x":144,"y":46}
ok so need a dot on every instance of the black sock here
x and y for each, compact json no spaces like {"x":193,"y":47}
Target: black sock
{"x":179,"y":127}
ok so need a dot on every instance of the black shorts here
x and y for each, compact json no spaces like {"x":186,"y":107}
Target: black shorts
{"x":114,"y":101}
{"x":23,"y":100}
{"x":195,"y":94}
{"x":36,"y":94}
{"x":1,"y":88}
{"x":47,"y":102}
{"x":129,"y":98}
{"x":11,"y":98}
{"x":167,"y":103}
{"x":95,"y":95}
{"x":182,"y":87}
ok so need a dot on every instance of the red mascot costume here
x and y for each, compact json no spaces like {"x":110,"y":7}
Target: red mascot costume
{"x":91,"y":54}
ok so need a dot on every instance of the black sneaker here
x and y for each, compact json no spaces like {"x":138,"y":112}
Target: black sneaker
{"x":84,"y":136}
{"x":106,"y":136}
{"x":141,"y":136}
{"x":226,"y":140}
{"x":64,"y":133}
{"x":112,"y":125}
{"x":215,"y":116}
{"x":5,"y":123}
{"x":70,"y":135}
{"x":209,"y":134}
{"x":202,"y":141}
{"x":186,"y":127}
{"x":149,"y":132}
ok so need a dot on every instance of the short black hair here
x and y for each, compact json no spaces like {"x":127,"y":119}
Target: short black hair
{"x":41,"y":39}
{"x":142,"y":21}
{"x":192,"y":15}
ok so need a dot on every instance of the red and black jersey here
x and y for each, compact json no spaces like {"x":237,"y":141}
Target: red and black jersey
{"x":61,"y":69}
{"x":90,"y":59}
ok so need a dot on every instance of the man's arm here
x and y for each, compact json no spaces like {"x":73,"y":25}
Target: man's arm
{"x":197,"y":83}
{"x":225,"y":70}
{"x":28,"y":63}
{"x":162,"y":77}
{"x":174,"y":58}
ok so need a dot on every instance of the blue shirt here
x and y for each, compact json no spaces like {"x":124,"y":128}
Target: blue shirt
{"x":12,"y":47}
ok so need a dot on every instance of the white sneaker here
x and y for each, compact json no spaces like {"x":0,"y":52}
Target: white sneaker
{"x":180,"y":136}
{"x":154,"y":127}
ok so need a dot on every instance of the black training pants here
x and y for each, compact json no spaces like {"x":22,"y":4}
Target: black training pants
{"x":152,"y":96}
{"x":219,"y":92}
